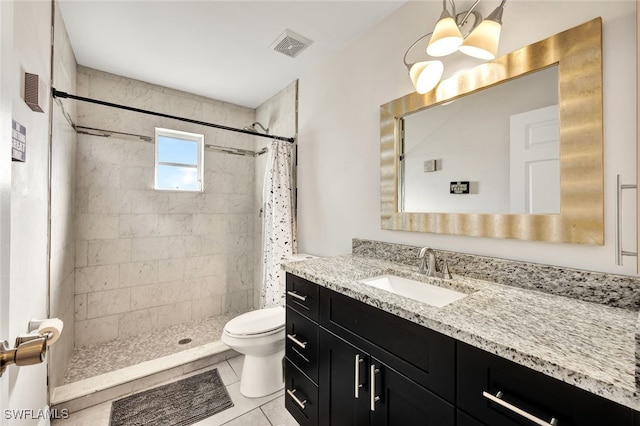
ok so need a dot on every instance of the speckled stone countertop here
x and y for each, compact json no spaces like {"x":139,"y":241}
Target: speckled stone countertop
{"x":588,"y":345}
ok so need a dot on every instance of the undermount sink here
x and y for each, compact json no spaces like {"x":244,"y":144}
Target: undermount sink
{"x":416,"y":290}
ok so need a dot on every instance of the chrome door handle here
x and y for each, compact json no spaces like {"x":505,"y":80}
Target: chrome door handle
{"x":357,"y":384}
{"x":291,"y":393}
{"x":374,"y":398}
{"x":301,"y":297}
{"x":293,"y":338}
{"x":497,"y":398}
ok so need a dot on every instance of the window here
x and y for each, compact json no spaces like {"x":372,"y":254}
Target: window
{"x":179,"y":158}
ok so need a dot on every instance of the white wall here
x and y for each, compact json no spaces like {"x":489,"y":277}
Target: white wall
{"x":339,"y":130}
{"x":29,"y":202}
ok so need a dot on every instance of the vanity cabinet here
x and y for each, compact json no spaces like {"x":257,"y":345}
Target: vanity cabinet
{"x":349,"y":363}
{"x":359,"y":389}
{"x":523,"y":392}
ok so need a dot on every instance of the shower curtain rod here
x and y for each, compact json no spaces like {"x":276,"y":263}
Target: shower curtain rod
{"x":58,"y":94}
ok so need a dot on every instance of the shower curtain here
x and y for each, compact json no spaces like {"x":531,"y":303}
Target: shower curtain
{"x":279,"y":227}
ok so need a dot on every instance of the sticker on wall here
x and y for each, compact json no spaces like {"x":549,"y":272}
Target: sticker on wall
{"x":461,"y":187}
{"x":18,"y":141}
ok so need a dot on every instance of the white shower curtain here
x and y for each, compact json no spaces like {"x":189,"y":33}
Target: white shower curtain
{"x":279,"y":228}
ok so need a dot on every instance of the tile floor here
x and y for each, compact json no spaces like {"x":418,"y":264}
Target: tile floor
{"x":265,"y":411}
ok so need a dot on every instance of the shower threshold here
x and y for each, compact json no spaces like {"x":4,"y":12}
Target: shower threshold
{"x":124,"y":366}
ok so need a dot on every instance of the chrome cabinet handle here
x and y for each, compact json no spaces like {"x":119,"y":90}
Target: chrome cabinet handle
{"x":301,"y":297}
{"x":293,"y":338}
{"x":357,"y":383}
{"x":291,"y":393}
{"x":374,"y":398}
{"x":497,"y":398}
{"x":619,"y":251}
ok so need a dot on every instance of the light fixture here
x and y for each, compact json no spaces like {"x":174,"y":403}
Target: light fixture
{"x":446,"y":37}
{"x":481,"y":41}
{"x":425,"y":75}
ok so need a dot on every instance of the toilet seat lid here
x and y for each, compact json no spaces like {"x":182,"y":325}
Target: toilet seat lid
{"x":259,"y":321}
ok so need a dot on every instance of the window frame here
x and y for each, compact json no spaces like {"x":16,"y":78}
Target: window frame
{"x":185,"y":136}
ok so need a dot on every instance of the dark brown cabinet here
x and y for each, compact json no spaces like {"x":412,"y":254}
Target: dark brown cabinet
{"x":349,"y":363}
{"x":499,"y":392}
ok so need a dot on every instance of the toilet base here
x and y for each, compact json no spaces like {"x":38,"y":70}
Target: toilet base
{"x":262,"y":375}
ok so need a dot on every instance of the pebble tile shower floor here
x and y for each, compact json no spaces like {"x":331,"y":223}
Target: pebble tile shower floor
{"x":93,"y":360}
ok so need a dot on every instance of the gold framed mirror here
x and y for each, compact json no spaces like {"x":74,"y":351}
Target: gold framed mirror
{"x":577,"y":52}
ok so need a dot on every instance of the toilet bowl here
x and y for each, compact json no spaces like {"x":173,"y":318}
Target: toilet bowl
{"x":259,"y":335}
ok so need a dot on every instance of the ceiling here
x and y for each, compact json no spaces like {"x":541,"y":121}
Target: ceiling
{"x":218,"y":49}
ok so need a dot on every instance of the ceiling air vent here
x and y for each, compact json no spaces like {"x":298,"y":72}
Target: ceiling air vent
{"x":290,"y":43}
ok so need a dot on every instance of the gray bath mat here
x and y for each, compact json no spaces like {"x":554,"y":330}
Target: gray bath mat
{"x":179,"y":403}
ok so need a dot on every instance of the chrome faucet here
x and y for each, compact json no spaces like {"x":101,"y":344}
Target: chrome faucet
{"x":429,"y":264}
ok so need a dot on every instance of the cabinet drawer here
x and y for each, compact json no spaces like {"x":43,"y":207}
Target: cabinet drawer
{"x":482,"y":375}
{"x":302,"y":295}
{"x":301,"y":396}
{"x":301,"y":344}
{"x":424,"y":355}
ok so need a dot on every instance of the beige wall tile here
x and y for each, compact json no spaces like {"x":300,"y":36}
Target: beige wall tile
{"x":110,"y":302}
{"x":175,"y":224}
{"x":103,"y":200}
{"x":185,"y":246}
{"x":206,"y":307}
{"x":103,"y":252}
{"x":98,"y":330}
{"x":149,"y":249}
{"x":144,"y":297}
{"x":97,"y":278}
{"x":175,"y":313}
{"x":97,"y":226}
{"x":138,"y":273}
{"x":136,"y":322}
{"x":138,"y":225}
{"x":80,"y":307}
{"x":174,"y":269}
{"x":82,"y":253}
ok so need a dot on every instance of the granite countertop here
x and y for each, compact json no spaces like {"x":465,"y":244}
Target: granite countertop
{"x":588,"y":345}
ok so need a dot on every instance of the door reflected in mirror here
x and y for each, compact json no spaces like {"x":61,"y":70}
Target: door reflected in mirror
{"x":503,"y":141}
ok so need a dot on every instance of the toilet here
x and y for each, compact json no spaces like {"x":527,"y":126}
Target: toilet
{"x":259,"y":335}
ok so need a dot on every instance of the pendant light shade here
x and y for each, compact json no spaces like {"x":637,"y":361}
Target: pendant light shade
{"x":425,"y":75}
{"x":446,"y":37}
{"x":482,"y":43}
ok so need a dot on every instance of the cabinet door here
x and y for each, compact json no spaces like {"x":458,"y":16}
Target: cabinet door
{"x":499,"y":392}
{"x":397,"y":400}
{"x":343,"y":378}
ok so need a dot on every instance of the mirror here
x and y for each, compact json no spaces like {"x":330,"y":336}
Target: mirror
{"x":504,"y":141}
{"x":573,"y":58}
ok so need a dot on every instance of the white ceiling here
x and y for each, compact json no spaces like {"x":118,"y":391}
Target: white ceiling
{"x":218,"y":49}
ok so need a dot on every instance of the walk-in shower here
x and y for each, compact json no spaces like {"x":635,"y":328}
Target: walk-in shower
{"x":154,"y":269}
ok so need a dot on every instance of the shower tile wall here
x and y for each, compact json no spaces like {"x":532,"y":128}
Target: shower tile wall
{"x":63,"y":164}
{"x":148,"y":259}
